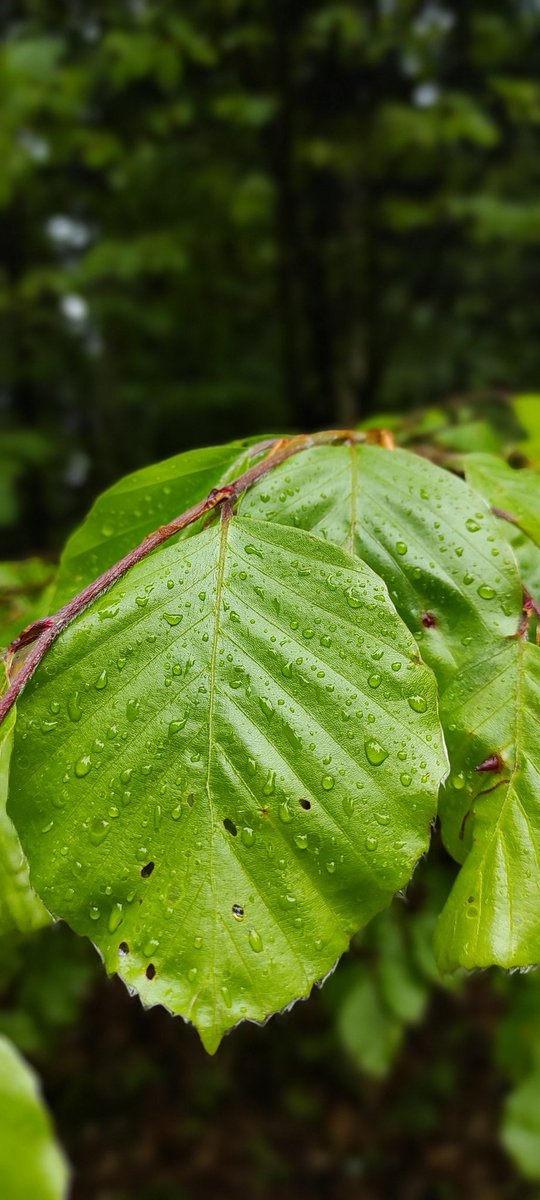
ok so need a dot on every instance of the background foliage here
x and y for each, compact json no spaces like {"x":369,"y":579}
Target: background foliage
{"x":224,"y":219}
{"x":233,"y":217}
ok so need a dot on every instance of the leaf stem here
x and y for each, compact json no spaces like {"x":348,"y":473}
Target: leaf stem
{"x":42,"y":634}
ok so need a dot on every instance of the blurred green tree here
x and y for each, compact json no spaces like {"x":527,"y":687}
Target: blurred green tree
{"x":226,"y":218}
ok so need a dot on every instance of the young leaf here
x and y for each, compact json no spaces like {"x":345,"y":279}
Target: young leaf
{"x":432,"y":539}
{"x":123,"y":515}
{"x":489,"y":811}
{"x":32,"y":1167}
{"x":514,"y":492}
{"x":222,"y":782}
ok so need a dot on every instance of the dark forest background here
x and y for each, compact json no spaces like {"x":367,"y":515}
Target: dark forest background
{"x":219,"y":218}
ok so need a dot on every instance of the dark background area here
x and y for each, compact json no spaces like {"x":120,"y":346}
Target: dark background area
{"x":219,"y":219}
{"x":224,"y":218}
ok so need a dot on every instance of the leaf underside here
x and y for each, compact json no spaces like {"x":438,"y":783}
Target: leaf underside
{"x":226,"y":766}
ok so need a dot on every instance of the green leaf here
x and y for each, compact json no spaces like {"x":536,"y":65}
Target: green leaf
{"x":490,"y":817}
{"x":527,"y":556}
{"x":423,"y":530}
{"x":520,"y":1132}
{"x":516,"y":492}
{"x":235,"y":772}
{"x":403,"y":990}
{"x":122,"y":516}
{"x":20,"y":909}
{"x":369,"y":1032}
{"x":31,"y":1164}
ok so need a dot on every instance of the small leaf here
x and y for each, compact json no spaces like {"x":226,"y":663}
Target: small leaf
{"x":368,"y":1030}
{"x":236,"y":779}
{"x":491,"y":819}
{"x":516,"y":492}
{"x":32,"y":1167}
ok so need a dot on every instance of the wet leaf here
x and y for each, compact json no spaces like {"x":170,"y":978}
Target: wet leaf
{"x":221,"y":783}
{"x":139,"y":503}
{"x":431,"y":538}
{"x":490,"y":813}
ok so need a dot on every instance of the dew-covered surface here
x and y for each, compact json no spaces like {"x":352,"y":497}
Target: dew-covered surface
{"x":228,"y":765}
{"x":145,"y":1114}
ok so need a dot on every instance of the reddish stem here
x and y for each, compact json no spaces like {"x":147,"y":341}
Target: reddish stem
{"x":43,"y":633}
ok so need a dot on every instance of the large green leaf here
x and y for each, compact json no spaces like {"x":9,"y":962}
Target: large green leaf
{"x":221,"y":783}
{"x":491,"y":816}
{"x":515,"y":492}
{"x":139,"y":503}
{"x":423,"y":530}
{"x":32,"y":1166}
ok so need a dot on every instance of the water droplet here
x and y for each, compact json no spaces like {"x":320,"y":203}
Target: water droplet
{"x":141,"y":601}
{"x":132,"y":709}
{"x":375,"y":753}
{"x":406,"y":779}
{"x":418,"y":703}
{"x":48,"y":726}
{"x":353,"y":597}
{"x":486,"y":592}
{"x":267,"y":707}
{"x":253,"y":937}
{"x":98,"y":830}
{"x":83,"y":766}
{"x":401,"y":547}
{"x":94,"y":913}
{"x":173,"y":618}
{"x":251,"y":549}
{"x":150,"y":947}
{"x":285,"y":812}
{"x":270,"y":784}
{"x":300,"y":840}
{"x":116,"y":917}
{"x":375,"y":680}
{"x":331,"y":867}
{"x":327,"y":782}
{"x":74,"y":707}
{"x":472,"y":525}
{"x":371,"y":843}
{"x":101,"y":681}
{"x":176,"y":726}
{"x":458,"y":781}
{"x":248,"y":835}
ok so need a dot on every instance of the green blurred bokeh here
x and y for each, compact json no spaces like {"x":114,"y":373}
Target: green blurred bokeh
{"x":221,"y":218}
